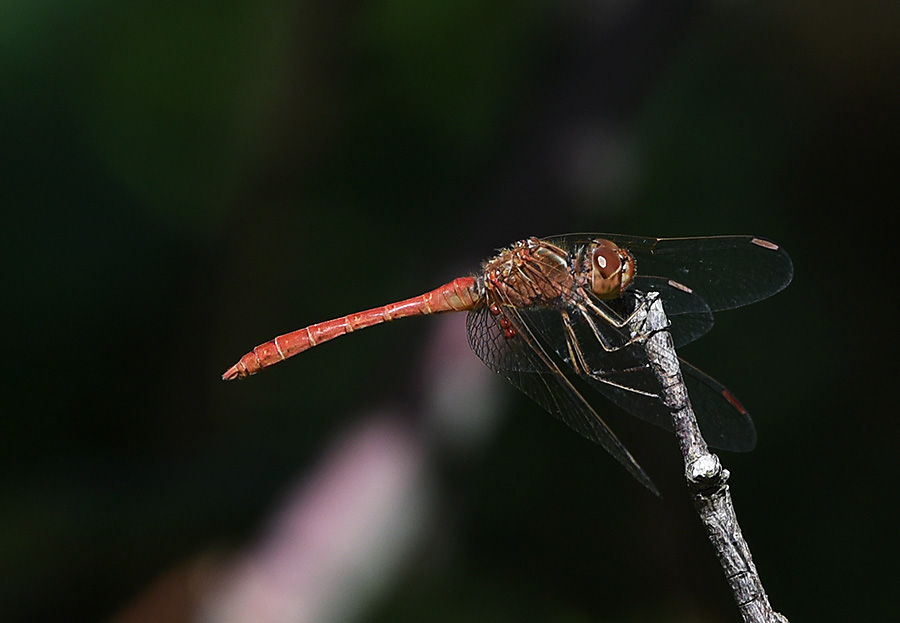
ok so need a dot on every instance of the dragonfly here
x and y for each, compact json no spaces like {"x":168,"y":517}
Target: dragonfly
{"x":552,"y":316}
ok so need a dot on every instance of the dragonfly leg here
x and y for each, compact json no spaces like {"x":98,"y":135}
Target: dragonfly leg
{"x":595,"y":310}
{"x":603,"y":340}
{"x":576,"y":357}
{"x":608,"y":317}
{"x":627,"y":388}
{"x":581,"y":366}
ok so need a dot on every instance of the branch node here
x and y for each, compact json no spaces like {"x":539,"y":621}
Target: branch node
{"x":705,"y":474}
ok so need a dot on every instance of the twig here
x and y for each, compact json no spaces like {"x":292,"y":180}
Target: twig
{"x":707,"y":479}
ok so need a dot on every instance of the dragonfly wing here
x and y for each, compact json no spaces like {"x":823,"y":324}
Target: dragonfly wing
{"x":725,"y":271}
{"x":724,"y":422}
{"x":523,"y":361}
{"x":688,"y":313}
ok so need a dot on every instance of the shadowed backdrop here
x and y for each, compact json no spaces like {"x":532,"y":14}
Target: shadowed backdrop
{"x":181,"y":183}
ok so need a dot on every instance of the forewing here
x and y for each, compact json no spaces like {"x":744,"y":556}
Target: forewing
{"x":689,"y":315}
{"x":523,"y":361}
{"x":725,"y":271}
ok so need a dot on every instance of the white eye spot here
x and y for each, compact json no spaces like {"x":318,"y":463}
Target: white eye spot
{"x":601,"y":261}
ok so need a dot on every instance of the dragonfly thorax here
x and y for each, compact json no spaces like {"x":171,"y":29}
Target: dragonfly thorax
{"x":530,"y":272}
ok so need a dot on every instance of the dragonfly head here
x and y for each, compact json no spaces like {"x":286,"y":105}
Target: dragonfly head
{"x":612,"y":269}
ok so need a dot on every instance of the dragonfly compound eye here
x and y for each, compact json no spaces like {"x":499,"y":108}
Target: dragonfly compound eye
{"x":612,"y":269}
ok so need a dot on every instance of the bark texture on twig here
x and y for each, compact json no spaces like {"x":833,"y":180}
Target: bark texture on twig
{"x":707,"y":479}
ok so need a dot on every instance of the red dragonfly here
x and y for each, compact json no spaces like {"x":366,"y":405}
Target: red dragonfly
{"x":546,"y":312}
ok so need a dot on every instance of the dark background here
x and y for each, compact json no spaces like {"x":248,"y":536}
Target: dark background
{"x":180,"y":183}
